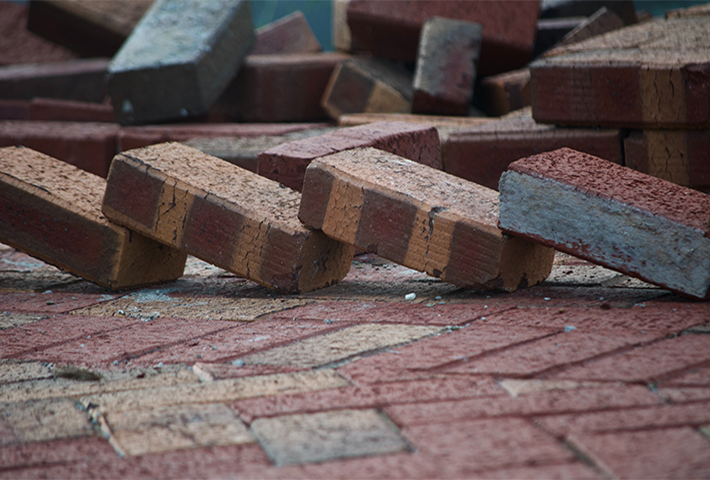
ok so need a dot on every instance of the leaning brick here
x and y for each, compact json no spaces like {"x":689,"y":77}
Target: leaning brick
{"x":551,"y":31}
{"x":501,"y":94}
{"x":354,"y":119}
{"x":651,"y":75}
{"x":419,"y":217}
{"x":611,"y":215}
{"x":52,"y":211}
{"x":290,"y":34}
{"x":481,"y":154}
{"x":368,"y":85}
{"x":57,"y":110}
{"x":181,"y":56}
{"x":625,"y":9}
{"x":602,"y":21}
{"x":224,"y":215}
{"x":446,"y":66}
{"x":679,"y":156}
{"x":287,"y":163}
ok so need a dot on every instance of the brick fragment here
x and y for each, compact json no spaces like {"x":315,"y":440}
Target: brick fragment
{"x":51,"y":211}
{"x":92,"y":29}
{"x":651,"y":75}
{"x":391,"y":29}
{"x":354,"y":119}
{"x":602,"y":21}
{"x":446,"y":66}
{"x":368,"y":85}
{"x":550,"y":31}
{"x":625,"y":9}
{"x":287,"y":163}
{"x":679,"y":156}
{"x":179,"y":59}
{"x":48,"y":109}
{"x":290,"y":34}
{"x":504,"y":93}
{"x":81,"y":80}
{"x":419,"y":217}
{"x":611,"y":215}
{"x":279,"y":88}
{"x":224,"y":215}
{"x":481,"y":154}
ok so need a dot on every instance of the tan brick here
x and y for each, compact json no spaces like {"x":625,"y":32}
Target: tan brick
{"x":42,"y":420}
{"x":354,"y":119}
{"x":506,"y":92}
{"x":419,"y":217}
{"x":20,"y":371}
{"x":51,"y":210}
{"x":12,"y":320}
{"x":224,"y":215}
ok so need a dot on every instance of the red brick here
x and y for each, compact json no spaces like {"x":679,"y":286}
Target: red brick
{"x":391,"y":29}
{"x":51,"y":210}
{"x":51,"y":302}
{"x":290,"y":34}
{"x":287,"y":163}
{"x":418,"y":217}
{"x":584,"y":8}
{"x":570,"y":402}
{"x":228,"y":216}
{"x":503,"y":93}
{"x":623,"y":80}
{"x":69,"y":111}
{"x":563,"y":471}
{"x":696,"y":377}
{"x":56,"y":452}
{"x":645,"y":364}
{"x":430,"y":357}
{"x":14,"y":109}
{"x":684,"y":395}
{"x":636,"y":224}
{"x":679,"y":156}
{"x":279,"y":88}
{"x":482,"y":153}
{"x":670,"y":453}
{"x":446,"y":66}
{"x":601,"y":21}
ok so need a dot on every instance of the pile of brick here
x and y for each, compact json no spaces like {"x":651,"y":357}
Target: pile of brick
{"x":412,"y":177}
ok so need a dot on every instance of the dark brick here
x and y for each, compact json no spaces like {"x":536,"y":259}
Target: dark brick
{"x":290,"y":34}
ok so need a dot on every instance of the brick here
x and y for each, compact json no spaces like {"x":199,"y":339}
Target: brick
{"x":585,"y":8}
{"x":430,"y":221}
{"x":355,"y":119}
{"x":21,"y":371}
{"x":613,"y":216}
{"x":684,"y":395}
{"x":50,"y":302}
{"x":179,"y":59}
{"x":341,"y":38}
{"x":696,"y":377}
{"x":503,"y":93}
{"x":217,"y":200}
{"x":482,"y":153}
{"x":279,"y":88}
{"x":391,"y":29}
{"x":48,"y":109}
{"x":446,"y":66}
{"x":92,"y":29}
{"x":64,"y":451}
{"x":81,"y":80}
{"x":551,"y":31}
{"x":51,"y":210}
{"x":14,"y":109}
{"x":368,"y":85}
{"x":562,"y":471}
{"x":601,"y":21}
{"x":679,"y":156}
{"x":42,"y":420}
{"x":693,"y":11}
{"x":290,"y":34}
{"x":287,"y":163}
{"x":623,"y":79}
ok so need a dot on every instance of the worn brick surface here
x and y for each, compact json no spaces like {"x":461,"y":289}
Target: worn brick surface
{"x":440,"y":220}
{"x":625,"y":220}
{"x":54,"y":452}
{"x":503,"y":93}
{"x":354,"y":119}
{"x":47,"y":109}
{"x":179,"y":59}
{"x":482,"y":153}
{"x":50,"y":302}
{"x":287,"y":163}
{"x":600,"y":22}
{"x":288,"y":257}
{"x":51,"y":210}
{"x":290,"y":34}
{"x":41,"y":420}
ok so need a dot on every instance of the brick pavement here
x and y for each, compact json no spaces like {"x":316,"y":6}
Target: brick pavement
{"x":588,"y":375}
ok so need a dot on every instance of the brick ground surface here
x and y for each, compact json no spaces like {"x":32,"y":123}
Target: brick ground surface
{"x":588,"y":375}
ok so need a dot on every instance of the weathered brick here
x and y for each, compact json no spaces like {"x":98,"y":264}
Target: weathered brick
{"x":180,"y":57}
{"x":418,"y":217}
{"x":679,"y":156}
{"x":92,"y":29}
{"x":41,"y":420}
{"x":602,"y":21}
{"x":82,"y":80}
{"x":693,"y":11}
{"x":48,"y":109}
{"x":354,"y":119}
{"x":290,"y":34}
{"x":619,"y":218}
{"x":391,"y":29}
{"x":287,"y":163}
{"x":224,"y":215}
{"x":446,"y":66}
{"x":368,"y":85}
{"x":625,"y":9}
{"x":51,"y":210}
{"x":503,"y":93}
{"x":50,"y":302}
{"x":482,"y":153}
{"x":623,"y":79}
{"x":55,"y":452}
{"x":279,"y":88}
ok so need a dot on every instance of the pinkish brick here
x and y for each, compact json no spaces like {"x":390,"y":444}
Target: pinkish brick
{"x":52,"y":302}
{"x":684,"y":395}
{"x":290,"y":34}
{"x":695,"y":377}
{"x":576,"y":470}
{"x":64,"y":451}
{"x":49,"y":109}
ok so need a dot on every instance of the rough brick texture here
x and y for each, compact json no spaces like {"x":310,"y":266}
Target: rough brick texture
{"x":290,"y":34}
{"x":391,"y":29}
{"x":69,"y":111}
{"x":611,"y":215}
{"x":179,"y":59}
{"x":481,"y":154}
{"x":368,"y":85}
{"x":602,"y":21}
{"x":419,"y":217}
{"x":287,"y":163}
{"x":51,"y":210}
{"x":651,"y":75}
{"x":504,"y":93}
{"x":354,"y":119}
{"x":446,"y":66}
{"x":224,"y":215}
